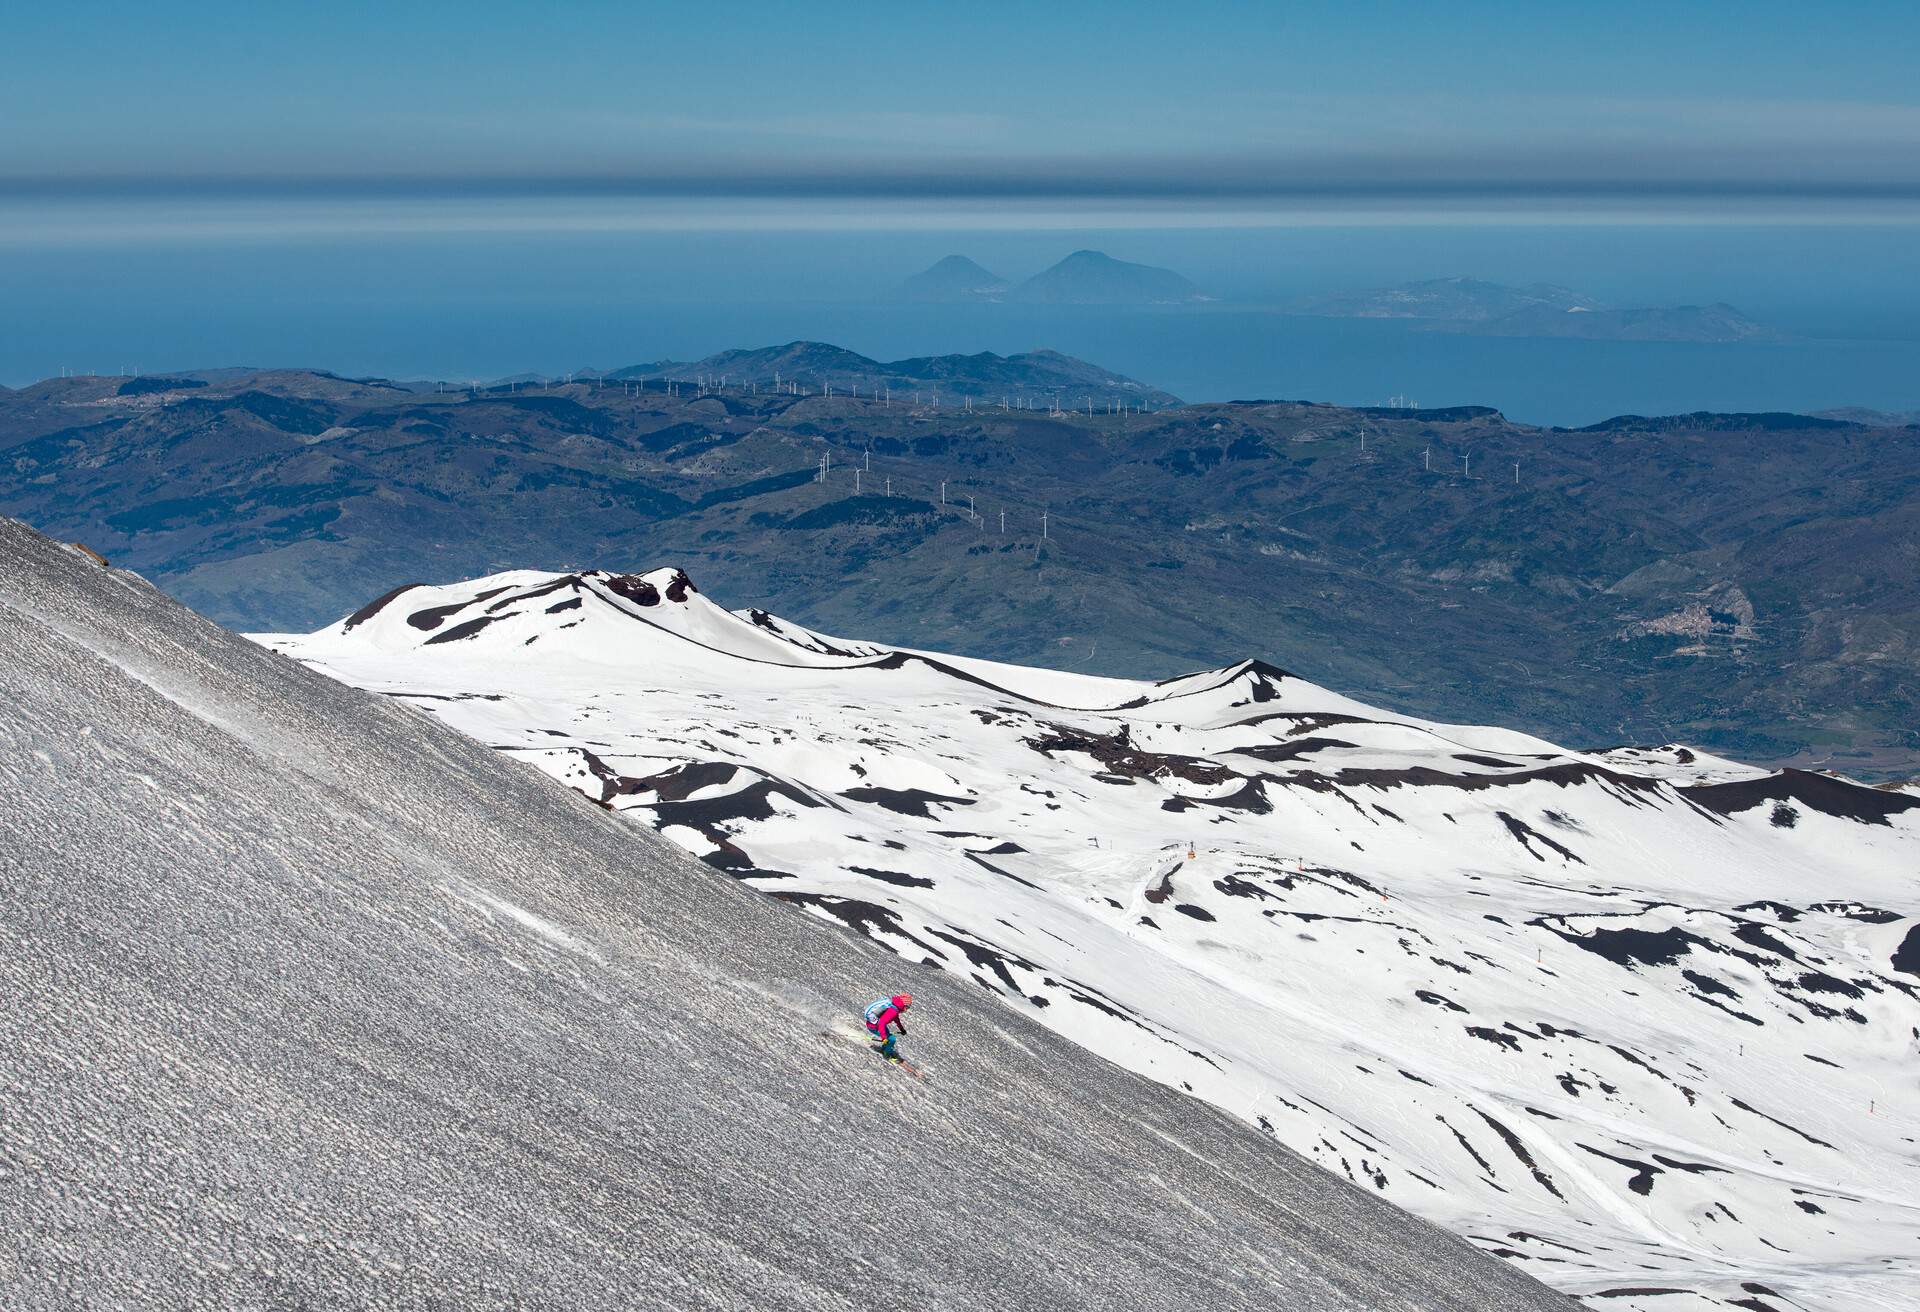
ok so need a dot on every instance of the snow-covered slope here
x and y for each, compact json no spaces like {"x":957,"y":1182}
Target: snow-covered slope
{"x":310,"y":1002}
{"x":1642,"y":1022}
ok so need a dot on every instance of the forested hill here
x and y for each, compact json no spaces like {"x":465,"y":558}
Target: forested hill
{"x":1744,"y":582}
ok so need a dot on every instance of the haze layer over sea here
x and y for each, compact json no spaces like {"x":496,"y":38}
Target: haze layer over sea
{"x":467,"y":305}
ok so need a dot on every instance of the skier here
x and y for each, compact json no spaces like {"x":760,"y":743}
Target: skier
{"x":884,"y":1014}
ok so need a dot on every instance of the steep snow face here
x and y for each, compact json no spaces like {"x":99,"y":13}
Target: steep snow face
{"x":312,"y":1002}
{"x":1642,"y":1022}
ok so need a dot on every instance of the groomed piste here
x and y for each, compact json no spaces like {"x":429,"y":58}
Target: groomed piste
{"x":313,"y":1002}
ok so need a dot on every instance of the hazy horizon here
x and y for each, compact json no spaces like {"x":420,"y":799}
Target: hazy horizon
{"x":485,"y":305}
{"x":488,"y":189}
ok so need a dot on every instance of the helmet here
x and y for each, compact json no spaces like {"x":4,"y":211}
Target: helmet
{"x":903,"y":1000}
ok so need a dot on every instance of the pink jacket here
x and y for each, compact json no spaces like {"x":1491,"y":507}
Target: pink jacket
{"x":883,"y":1014}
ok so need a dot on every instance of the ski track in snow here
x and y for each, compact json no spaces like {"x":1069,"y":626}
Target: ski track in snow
{"x":1628,"y":1019}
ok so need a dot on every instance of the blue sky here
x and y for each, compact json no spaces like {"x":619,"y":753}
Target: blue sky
{"x":478,"y":188}
{"x":1070,"y":103}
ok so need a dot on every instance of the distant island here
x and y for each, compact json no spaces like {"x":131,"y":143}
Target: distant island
{"x":1489,"y":309}
{"x":955,"y":278}
{"x":1082,"y":278}
{"x":1454,"y":300}
{"x":1447,"y":305}
{"x":1536,"y":310}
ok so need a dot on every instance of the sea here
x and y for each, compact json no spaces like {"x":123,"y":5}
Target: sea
{"x":427,"y":308}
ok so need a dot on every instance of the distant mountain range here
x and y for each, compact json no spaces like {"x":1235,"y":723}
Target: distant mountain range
{"x":1082,"y":278}
{"x":1743,"y":581}
{"x":983,"y":376}
{"x":1472,"y":305}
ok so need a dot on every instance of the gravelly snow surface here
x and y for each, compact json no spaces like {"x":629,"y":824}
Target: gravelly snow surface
{"x":1643,"y":1022}
{"x":309,"y":1002}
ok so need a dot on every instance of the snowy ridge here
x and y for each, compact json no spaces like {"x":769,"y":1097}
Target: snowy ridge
{"x":1642,"y":1021}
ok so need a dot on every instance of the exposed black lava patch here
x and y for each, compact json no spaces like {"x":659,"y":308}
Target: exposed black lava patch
{"x":915,"y":802}
{"x":900,"y":660}
{"x":1471,"y":1150}
{"x":1632,"y":947}
{"x":1708,"y":984}
{"x":731,"y":858}
{"x":869,"y":918}
{"x":1906,"y":957}
{"x":433,"y":616}
{"x":986,"y":956}
{"x":682,"y":780}
{"x":1691,"y":1168}
{"x":1643,"y":1172}
{"x":1523,"y":832}
{"x":461,"y":632}
{"x":1189,"y":909}
{"x":1494,"y":1036}
{"x":707,"y":815}
{"x":1856,"y":911}
{"x":1638,"y":1291}
{"x":1755,"y":934}
{"x":1526,"y":1238}
{"x":898,"y":878}
{"x":1817,"y":981}
{"x":1754,"y":1111}
{"x":1520,"y":1150}
{"x":1249,"y":797}
{"x":1117,"y":754}
{"x":1234,"y":886}
{"x":1289,"y":751}
{"x":1778,"y":910}
{"x":635,"y":589}
{"x":761,"y":619}
{"x":1631,"y":789}
{"x":533,"y":594}
{"x":1815,"y":792}
{"x":375,"y":606}
{"x":671,"y":784}
{"x":1163,"y":890}
{"x":1305,"y":721}
{"x":991,"y":868}
{"x":1100,"y":1002}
